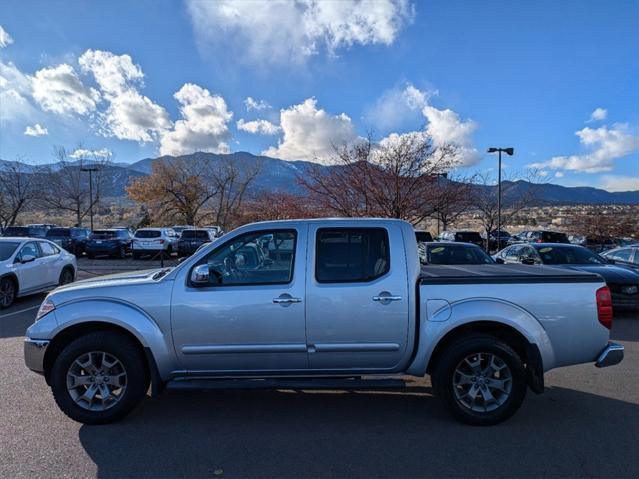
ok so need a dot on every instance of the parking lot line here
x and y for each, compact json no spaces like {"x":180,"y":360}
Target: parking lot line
{"x":20,"y":311}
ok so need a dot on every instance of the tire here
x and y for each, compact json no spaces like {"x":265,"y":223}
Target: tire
{"x":8,"y":291}
{"x":66,"y":276}
{"x":169,"y":251}
{"x":499,"y":374}
{"x":123,"y":356}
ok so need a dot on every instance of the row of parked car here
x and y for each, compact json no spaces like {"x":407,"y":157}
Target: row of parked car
{"x":119,"y":242}
{"x":619,"y":267}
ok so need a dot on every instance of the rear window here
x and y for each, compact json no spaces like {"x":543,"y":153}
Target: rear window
{"x":423,"y":236}
{"x":148,"y":234}
{"x":195,"y":234}
{"x":552,"y":237}
{"x":16,"y":231}
{"x":468,"y":236}
{"x":7,"y":249}
{"x":103,"y":234}
{"x":351,"y":254}
{"x":456,"y":254}
{"x":58,"y":232}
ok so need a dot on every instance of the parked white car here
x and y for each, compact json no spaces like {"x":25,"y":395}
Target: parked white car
{"x":150,"y":241}
{"x":32,"y":265}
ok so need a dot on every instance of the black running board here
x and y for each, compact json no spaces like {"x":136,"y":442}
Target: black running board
{"x":286,"y":383}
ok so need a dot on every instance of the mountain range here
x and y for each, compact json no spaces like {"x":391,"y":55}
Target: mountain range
{"x":281,"y":176}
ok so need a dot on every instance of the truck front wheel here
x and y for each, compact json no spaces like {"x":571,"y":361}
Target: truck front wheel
{"x":99,"y":377}
{"x":480,"y":379}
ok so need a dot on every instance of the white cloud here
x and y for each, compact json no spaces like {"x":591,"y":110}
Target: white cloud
{"x":599,"y":114}
{"x":311,"y":133}
{"x":253,"y":104}
{"x":59,"y":90}
{"x":36,"y":130}
{"x":398,"y":107}
{"x":15,"y":91}
{"x":619,"y":183}
{"x":606,"y":145}
{"x":83,"y":153}
{"x":5,"y":38}
{"x":130,"y":115}
{"x":263,"y":127}
{"x":559,"y":174}
{"x":286,"y":31}
{"x":446,"y":127}
{"x":204,"y":126}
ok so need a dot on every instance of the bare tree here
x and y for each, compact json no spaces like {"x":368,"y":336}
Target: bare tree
{"x":452,"y":199}
{"x":65,"y":187}
{"x":395,"y":178}
{"x":17,"y":190}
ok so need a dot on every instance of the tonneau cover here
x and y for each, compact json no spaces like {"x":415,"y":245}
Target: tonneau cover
{"x":503,"y":273}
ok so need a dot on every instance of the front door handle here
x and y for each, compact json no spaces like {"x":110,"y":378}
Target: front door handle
{"x":286,"y":299}
{"x":385,"y":297}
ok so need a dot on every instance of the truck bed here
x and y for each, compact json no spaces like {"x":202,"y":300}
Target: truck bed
{"x":502,"y":274}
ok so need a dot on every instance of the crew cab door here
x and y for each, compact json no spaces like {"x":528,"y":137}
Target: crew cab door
{"x":357,"y":302}
{"x":249,"y":317}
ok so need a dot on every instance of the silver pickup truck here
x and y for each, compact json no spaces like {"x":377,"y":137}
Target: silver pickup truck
{"x":328,"y":303}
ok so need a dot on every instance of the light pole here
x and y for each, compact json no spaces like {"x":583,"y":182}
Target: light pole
{"x":90,"y":170}
{"x":509,"y":152}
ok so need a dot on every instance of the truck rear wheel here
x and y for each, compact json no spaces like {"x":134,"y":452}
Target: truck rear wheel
{"x":99,"y":377}
{"x":480,"y":379}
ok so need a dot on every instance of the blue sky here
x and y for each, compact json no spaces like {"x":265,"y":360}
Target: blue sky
{"x":137,"y":79}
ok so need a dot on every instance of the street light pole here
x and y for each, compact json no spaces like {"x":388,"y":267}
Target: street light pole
{"x":508,"y":151}
{"x":90,"y":170}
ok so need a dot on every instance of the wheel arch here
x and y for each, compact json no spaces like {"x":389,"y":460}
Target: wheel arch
{"x":14,"y":278}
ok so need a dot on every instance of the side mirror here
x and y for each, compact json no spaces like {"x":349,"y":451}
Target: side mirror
{"x":27,"y":258}
{"x":200,"y":275}
{"x":499,"y":261}
{"x":528,"y":261}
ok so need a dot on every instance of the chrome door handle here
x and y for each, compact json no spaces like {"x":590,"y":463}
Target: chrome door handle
{"x":387,"y":298}
{"x":285,"y":300}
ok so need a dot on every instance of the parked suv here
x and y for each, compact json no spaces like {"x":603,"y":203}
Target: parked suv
{"x":110,"y":242}
{"x":25,"y":231}
{"x":151,"y":241}
{"x":192,"y":239}
{"x":73,"y":240}
{"x":543,"y":236}
{"x":462,"y":237}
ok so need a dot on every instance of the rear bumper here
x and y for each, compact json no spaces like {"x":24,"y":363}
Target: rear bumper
{"x":611,"y":355}
{"x":34,"y":350}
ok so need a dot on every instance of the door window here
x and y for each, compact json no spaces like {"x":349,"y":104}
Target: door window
{"x":29,"y":249}
{"x":48,"y":249}
{"x":263,"y":257}
{"x":622,"y":255}
{"x":346,"y":255}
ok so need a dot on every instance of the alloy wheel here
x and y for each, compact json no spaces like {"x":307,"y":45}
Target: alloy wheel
{"x":96,"y":381}
{"x":7,"y":293}
{"x":482,"y":382}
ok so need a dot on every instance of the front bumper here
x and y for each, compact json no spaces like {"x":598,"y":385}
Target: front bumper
{"x":34,"y":350}
{"x":611,"y":355}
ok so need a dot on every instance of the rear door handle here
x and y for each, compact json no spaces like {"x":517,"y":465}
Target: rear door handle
{"x":386,"y":298}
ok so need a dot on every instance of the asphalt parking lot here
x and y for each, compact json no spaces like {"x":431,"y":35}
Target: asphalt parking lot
{"x":586,"y":424}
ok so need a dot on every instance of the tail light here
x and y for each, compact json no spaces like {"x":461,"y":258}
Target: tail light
{"x":604,"y":306}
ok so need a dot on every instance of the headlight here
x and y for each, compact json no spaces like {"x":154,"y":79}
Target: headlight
{"x":46,"y":307}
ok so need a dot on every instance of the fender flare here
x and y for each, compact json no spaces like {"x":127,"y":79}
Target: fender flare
{"x":481,"y":310}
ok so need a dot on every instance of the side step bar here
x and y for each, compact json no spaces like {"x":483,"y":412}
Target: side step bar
{"x":284,"y":383}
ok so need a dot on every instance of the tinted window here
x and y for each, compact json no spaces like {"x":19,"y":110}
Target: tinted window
{"x":457,"y":254}
{"x":553,"y":237}
{"x":48,"y":249}
{"x":37,"y":231}
{"x":423,"y":236}
{"x":468,"y":237}
{"x":195,"y":234}
{"x":29,"y":249}
{"x":58,"y":232}
{"x":123,"y":234}
{"x":351,"y":254}
{"x":568,"y":255}
{"x":7,"y":249}
{"x":148,"y":234}
{"x":103,"y":234}
{"x":16,"y":231}
{"x":265,"y":257}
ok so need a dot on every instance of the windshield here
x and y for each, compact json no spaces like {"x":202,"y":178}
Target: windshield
{"x":195,"y":234}
{"x":568,"y":255}
{"x":457,"y":254}
{"x":59,"y":232}
{"x":148,"y":234}
{"x":7,"y":249}
{"x":104,"y":234}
